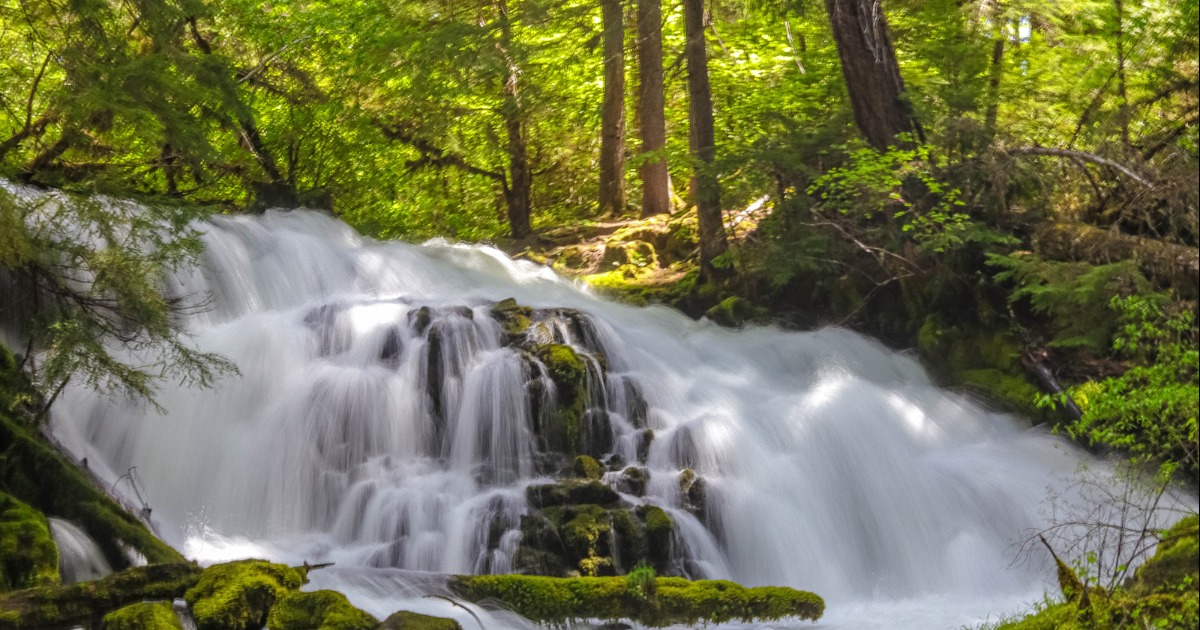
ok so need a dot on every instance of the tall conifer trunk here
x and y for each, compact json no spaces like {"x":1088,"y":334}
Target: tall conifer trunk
{"x":612,"y":127}
{"x":707,"y":188}
{"x":871,"y":72}
{"x":656,"y":179}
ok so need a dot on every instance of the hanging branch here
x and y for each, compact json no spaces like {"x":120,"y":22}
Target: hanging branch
{"x":1083,"y":155}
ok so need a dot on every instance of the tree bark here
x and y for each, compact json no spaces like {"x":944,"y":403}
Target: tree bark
{"x":520,"y":182}
{"x":872,"y":74}
{"x":1165,"y":263}
{"x":707,"y":189}
{"x":656,"y":179}
{"x":612,"y":126}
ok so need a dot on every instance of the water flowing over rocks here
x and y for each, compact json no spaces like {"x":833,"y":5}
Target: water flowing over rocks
{"x":413,"y":411}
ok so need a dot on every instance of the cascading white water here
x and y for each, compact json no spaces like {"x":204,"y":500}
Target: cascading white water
{"x":830,"y":463}
{"x":79,"y":557}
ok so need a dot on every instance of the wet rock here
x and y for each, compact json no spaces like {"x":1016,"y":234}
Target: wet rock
{"x":587,"y":467}
{"x":405,"y":620}
{"x":693,"y":490}
{"x":389,"y":354}
{"x":570,"y":492}
{"x":514,"y":320}
{"x":645,"y":438}
{"x":633,"y":481}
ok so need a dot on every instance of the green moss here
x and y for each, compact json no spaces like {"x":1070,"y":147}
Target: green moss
{"x":675,"y":600}
{"x":587,"y":536}
{"x":238,"y":595}
{"x":659,"y":527}
{"x":405,"y":620}
{"x":317,"y":610}
{"x":1175,"y":561}
{"x":82,"y":603}
{"x":1162,"y":594}
{"x":571,"y":492}
{"x":514,"y":319}
{"x":569,"y":373}
{"x":34,"y":472}
{"x":587,"y":467}
{"x":28,"y":555}
{"x":143,"y":616}
{"x":637,"y":253}
{"x":735,"y":311}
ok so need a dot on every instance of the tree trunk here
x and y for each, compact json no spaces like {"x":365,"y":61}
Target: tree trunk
{"x":520,"y":179}
{"x":612,"y":126}
{"x":871,"y":72}
{"x":707,"y":188}
{"x":995,"y":73}
{"x":656,"y":180}
{"x":1165,"y":263}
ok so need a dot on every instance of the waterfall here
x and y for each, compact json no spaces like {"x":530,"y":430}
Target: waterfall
{"x":382,"y":420}
{"x":79,"y":558}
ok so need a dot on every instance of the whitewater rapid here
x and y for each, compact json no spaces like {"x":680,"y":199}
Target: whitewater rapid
{"x":832,"y":464}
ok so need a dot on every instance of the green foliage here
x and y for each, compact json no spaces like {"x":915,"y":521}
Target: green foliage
{"x":28,"y":555}
{"x":32,"y":470}
{"x":1149,"y":411}
{"x":93,"y":270}
{"x":902,"y":185}
{"x":1163,"y":594}
{"x":241,"y":594}
{"x":318,"y":610}
{"x":677,"y":601}
{"x":641,"y":582}
{"x":1075,"y":295}
{"x":143,"y":616}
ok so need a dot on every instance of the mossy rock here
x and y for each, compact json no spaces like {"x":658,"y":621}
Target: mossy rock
{"x":659,"y":528}
{"x":587,"y":535}
{"x":239,"y":595}
{"x":571,"y":492}
{"x":734,"y":312}
{"x":317,"y":610}
{"x":144,"y":616}
{"x":633,"y":480}
{"x":637,"y":253}
{"x":83,"y":603}
{"x":514,"y":319}
{"x":1175,"y":561}
{"x":567,"y":369}
{"x":404,"y":620}
{"x":587,"y":467}
{"x":1162,"y":593}
{"x":28,"y":555}
{"x":34,"y":472}
{"x":676,"y":601}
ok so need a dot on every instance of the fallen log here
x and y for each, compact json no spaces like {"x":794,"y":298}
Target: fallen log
{"x":83,"y":604}
{"x":1165,"y":263}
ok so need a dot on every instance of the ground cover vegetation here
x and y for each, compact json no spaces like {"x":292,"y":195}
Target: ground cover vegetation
{"x":1007,"y":187}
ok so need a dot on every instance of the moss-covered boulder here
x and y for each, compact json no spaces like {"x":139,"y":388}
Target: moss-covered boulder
{"x":405,"y":620}
{"x":239,"y":595}
{"x":514,"y":319}
{"x":563,"y":432}
{"x":144,"y":616}
{"x":81,"y":604}
{"x":987,"y":362}
{"x":1176,"y":560}
{"x":1162,"y":594}
{"x":637,"y":253}
{"x":587,"y":467}
{"x":735,"y":311}
{"x":571,"y":491}
{"x":317,"y":610}
{"x":633,"y":480}
{"x":35,"y":473}
{"x":28,"y":555}
{"x":675,"y":600}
